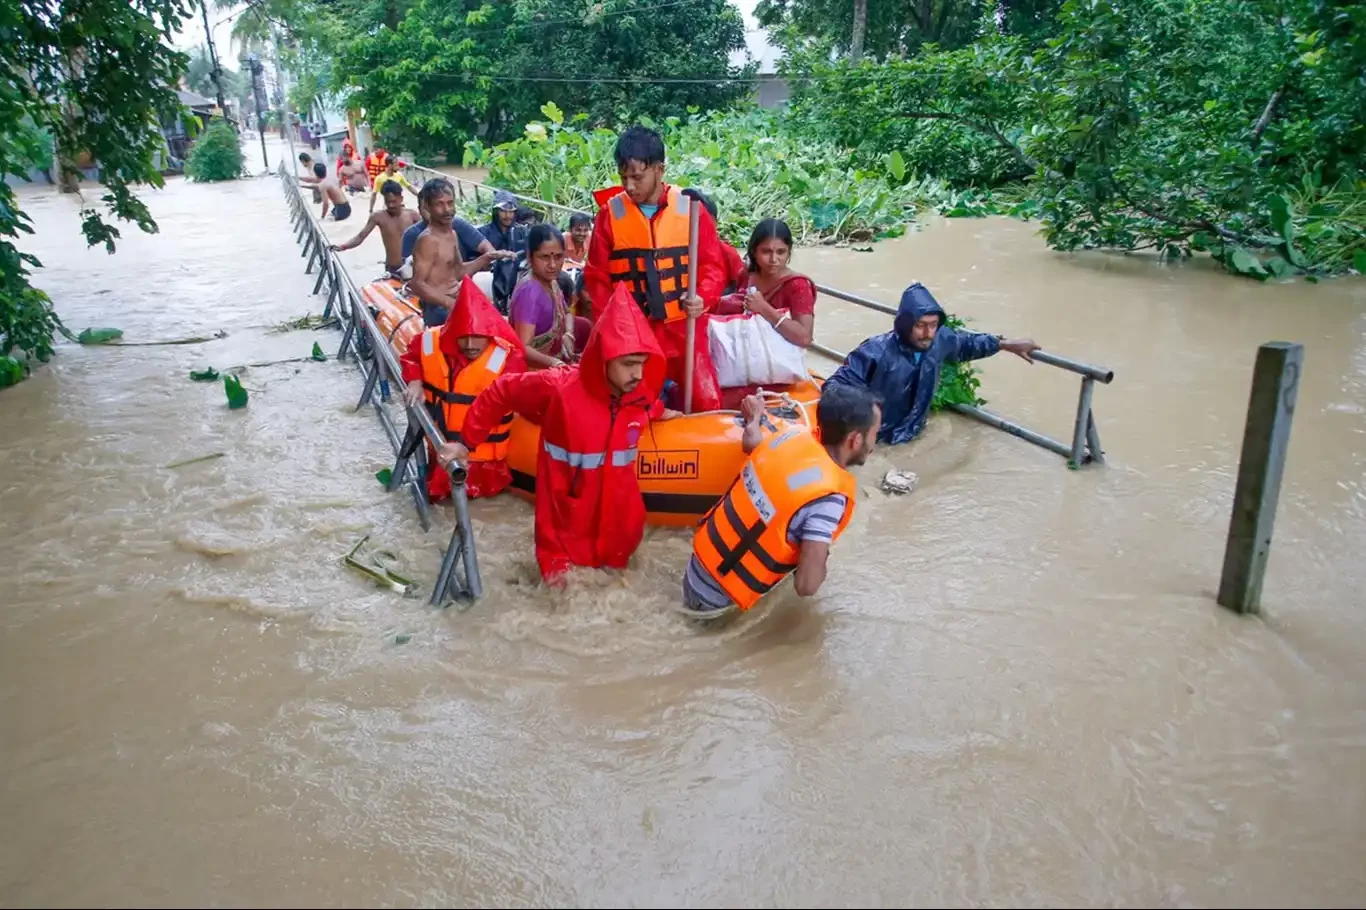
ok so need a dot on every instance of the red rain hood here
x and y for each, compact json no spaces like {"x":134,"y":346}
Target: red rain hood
{"x":603,"y":196}
{"x":474,"y":314}
{"x":622,"y":329}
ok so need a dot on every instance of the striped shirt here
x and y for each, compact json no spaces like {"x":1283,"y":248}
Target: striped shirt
{"x":815,"y":521}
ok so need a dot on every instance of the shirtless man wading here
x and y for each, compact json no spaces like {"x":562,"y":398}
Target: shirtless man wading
{"x":437,"y":266}
{"x":392,"y":222}
{"x":332,"y":195}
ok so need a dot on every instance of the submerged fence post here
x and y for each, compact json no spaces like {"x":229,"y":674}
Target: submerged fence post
{"x":1266,"y":437}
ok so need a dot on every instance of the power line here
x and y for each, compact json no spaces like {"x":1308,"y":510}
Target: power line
{"x":580,"y":20}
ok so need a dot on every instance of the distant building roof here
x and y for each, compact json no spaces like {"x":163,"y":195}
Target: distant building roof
{"x":190,"y":99}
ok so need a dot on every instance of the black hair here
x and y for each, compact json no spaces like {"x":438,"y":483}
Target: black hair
{"x":566,"y":287}
{"x":540,"y":234}
{"x":639,"y":144}
{"x":844,"y":409}
{"x":437,"y":186}
{"x":391,"y":188}
{"x":579,"y":218}
{"x":769,"y":227}
{"x":525,"y":215}
{"x":702,"y":198}
{"x":305,"y":157}
{"x":320,"y":170}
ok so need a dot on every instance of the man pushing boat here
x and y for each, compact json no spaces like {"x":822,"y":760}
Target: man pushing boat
{"x":447,"y":367}
{"x":437,"y":264}
{"x":589,"y":509}
{"x":640,"y":242}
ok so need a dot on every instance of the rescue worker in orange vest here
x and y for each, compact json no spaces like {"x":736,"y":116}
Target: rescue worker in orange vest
{"x":447,"y":367}
{"x":792,"y":500}
{"x":640,"y":239}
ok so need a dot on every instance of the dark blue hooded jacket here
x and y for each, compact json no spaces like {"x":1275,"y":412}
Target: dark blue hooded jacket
{"x":888,"y":366}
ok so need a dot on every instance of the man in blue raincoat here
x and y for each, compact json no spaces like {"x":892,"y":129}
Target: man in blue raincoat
{"x":902,"y":366}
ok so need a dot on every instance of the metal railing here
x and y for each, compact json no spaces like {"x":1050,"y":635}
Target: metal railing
{"x":362,"y":339}
{"x":1085,"y":445}
{"x":479,"y":190}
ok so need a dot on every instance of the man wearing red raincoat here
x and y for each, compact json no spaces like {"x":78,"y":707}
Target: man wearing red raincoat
{"x":640,"y":241}
{"x":589,"y":511}
{"x":447,"y":367}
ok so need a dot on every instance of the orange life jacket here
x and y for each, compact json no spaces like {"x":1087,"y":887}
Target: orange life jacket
{"x":450,"y":397}
{"x":743,"y":541}
{"x":652,"y":257}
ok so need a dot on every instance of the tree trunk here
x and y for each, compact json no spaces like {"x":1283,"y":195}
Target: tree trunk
{"x":860,"y":30}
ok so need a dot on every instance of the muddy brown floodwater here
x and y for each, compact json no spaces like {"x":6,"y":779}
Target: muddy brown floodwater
{"x":1014,"y":689}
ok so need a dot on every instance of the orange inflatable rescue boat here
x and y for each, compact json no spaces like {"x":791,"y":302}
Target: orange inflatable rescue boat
{"x":684,"y":465}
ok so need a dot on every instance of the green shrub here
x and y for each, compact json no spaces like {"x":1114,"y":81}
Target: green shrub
{"x":216,"y":156}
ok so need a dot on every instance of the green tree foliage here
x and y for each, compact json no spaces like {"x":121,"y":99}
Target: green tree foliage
{"x":897,"y":28}
{"x":1234,"y":126}
{"x":216,"y":154}
{"x":454,"y":69}
{"x":96,"y":76}
{"x":199,"y":77}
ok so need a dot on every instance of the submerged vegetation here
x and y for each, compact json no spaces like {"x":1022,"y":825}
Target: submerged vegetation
{"x":750,"y":165}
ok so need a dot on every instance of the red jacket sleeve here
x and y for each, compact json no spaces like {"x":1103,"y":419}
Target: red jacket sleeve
{"x":711,"y":264}
{"x":528,"y":394}
{"x":597,"y":279}
{"x":410,"y":364}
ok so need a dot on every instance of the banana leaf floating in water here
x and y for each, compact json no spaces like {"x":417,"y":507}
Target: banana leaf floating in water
{"x":379,"y":571}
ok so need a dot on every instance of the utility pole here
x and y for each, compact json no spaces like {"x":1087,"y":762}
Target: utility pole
{"x":257,"y":77}
{"x":213,"y":60}
{"x":285,"y":125}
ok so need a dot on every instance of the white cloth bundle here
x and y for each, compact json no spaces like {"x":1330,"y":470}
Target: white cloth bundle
{"x":748,"y":351}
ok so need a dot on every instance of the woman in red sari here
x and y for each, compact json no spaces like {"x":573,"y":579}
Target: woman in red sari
{"x":773,"y":292}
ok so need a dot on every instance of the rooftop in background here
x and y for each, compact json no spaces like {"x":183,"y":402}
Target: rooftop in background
{"x":192,"y":100}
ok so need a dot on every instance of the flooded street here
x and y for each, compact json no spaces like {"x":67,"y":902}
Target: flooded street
{"x":1014,"y":689}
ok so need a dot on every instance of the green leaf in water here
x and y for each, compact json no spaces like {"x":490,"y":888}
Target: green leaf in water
{"x":99,"y":336}
{"x":237,"y":396}
{"x":403,"y":638}
{"x":384,"y":476}
{"x":862,"y":249}
{"x":318,"y":352}
{"x":11,"y":371}
{"x":1279,"y":267}
{"x":1244,"y":263}
{"x":208,"y":374}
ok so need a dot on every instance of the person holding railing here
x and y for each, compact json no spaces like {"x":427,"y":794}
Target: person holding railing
{"x":902,"y":366}
{"x":447,"y":368}
{"x":589,"y":509}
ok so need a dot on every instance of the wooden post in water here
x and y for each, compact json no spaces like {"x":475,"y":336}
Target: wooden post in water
{"x":1275,"y":386}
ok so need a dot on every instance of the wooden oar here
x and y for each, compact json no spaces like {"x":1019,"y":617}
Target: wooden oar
{"x":694,"y":214}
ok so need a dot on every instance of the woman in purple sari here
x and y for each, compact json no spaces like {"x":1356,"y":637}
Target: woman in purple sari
{"x":551,"y":334}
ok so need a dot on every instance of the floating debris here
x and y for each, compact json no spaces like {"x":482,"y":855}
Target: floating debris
{"x":318,"y":354}
{"x":208,"y":374}
{"x":237,"y":396}
{"x":378,"y":571}
{"x":303,"y":323}
{"x":210,"y":457}
{"x":99,"y":336}
{"x":899,"y":482}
